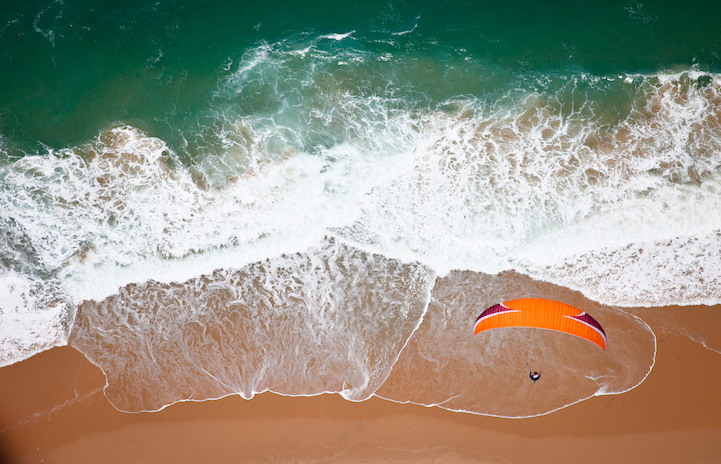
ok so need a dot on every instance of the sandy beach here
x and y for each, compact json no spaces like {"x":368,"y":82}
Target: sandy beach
{"x":53,"y":410}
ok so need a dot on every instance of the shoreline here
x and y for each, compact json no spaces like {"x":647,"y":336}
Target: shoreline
{"x":59,"y":414}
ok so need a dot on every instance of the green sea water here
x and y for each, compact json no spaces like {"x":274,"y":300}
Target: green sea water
{"x":69,"y":69}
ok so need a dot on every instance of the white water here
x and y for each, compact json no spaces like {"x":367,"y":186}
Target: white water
{"x":628,"y":214}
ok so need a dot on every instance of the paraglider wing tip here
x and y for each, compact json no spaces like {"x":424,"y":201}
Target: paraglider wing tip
{"x":589,"y":321}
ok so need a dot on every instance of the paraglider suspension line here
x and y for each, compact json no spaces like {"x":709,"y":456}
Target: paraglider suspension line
{"x":534,"y":375}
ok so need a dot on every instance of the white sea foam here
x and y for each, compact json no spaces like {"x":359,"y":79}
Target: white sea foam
{"x":337,"y":36}
{"x":30,"y":319}
{"x":42,"y":24}
{"x":626,"y":211}
{"x":548,"y":195}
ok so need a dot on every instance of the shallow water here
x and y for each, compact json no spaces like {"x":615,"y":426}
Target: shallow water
{"x":198,"y":193}
{"x":331,"y":320}
{"x":489,"y":373}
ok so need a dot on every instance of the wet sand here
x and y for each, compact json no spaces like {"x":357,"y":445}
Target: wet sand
{"x":52,"y":410}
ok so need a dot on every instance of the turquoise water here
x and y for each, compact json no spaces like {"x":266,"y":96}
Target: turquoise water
{"x":68,"y":70}
{"x":214,"y":198}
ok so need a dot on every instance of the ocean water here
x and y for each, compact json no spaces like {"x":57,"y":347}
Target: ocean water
{"x":211,"y":198}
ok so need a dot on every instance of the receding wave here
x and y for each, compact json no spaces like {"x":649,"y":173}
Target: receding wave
{"x":444,"y":365}
{"x":333,"y":319}
{"x":336,"y":320}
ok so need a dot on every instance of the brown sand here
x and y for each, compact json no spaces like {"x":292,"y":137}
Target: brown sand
{"x":52,"y":410}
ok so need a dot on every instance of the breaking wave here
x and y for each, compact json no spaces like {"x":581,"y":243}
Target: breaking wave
{"x":324,"y":227}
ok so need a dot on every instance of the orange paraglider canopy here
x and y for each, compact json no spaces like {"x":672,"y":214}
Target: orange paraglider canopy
{"x":543,"y":314}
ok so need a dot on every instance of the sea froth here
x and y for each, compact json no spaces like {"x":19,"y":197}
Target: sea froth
{"x":545,"y":180}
